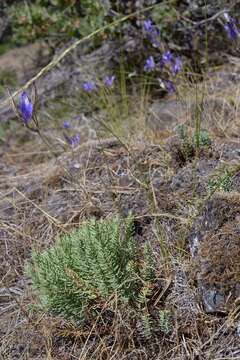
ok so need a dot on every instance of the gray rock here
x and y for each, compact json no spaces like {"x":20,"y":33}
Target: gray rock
{"x":213,"y":300}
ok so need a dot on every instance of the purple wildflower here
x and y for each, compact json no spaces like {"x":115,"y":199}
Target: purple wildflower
{"x":66,"y":124}
{"x":25,"y":107}
{"x":169,"y":86}
{"x":231,"y":28}
{"x":148,"y":25}
{"x":89,"y":86}
{"x":149,"y":64}
{"x":176,"y":66}
{"x":109,"y":80}
{"x":152,"y":32}
{"x":73,"y":140}
{"x":167,"y":57}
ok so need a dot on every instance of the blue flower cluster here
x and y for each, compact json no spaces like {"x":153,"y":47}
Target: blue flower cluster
{"x":90,"y":86}
{"x":25,"y":108}
{"x":175,"y":63}
{"x":168,"y":61}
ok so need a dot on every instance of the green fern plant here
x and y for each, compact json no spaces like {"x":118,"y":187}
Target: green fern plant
{"x":165,"y":321}
{"x":85,"y":268}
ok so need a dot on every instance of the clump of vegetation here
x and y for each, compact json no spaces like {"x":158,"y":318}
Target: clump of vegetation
{"x":62,"y":19}
{"x":190,"y":145}
{"x":223,"y":182}
{"x":87,"y":268}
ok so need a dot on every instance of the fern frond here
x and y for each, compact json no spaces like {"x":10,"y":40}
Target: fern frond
{"x":86,"y":267}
